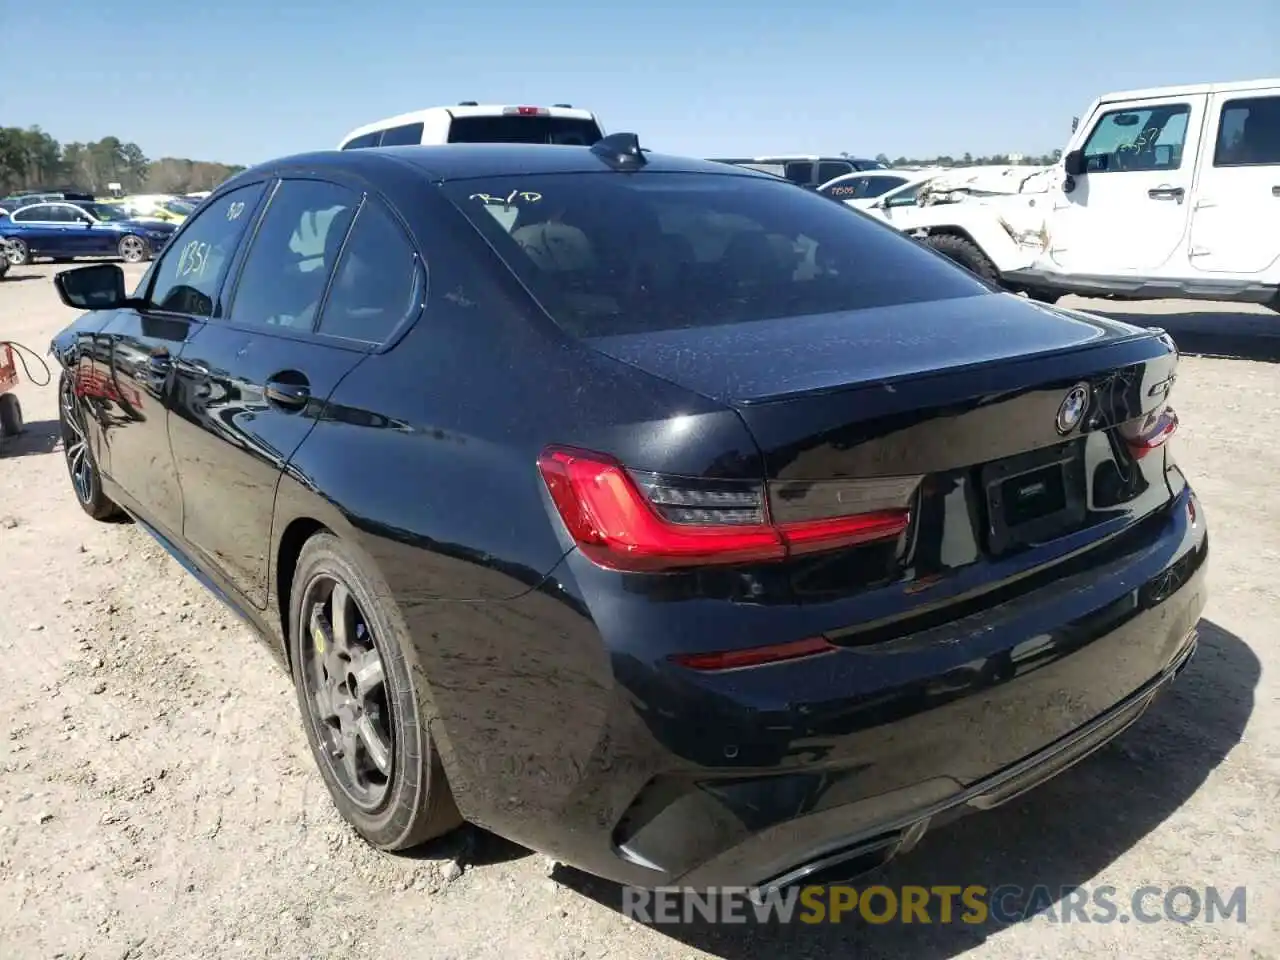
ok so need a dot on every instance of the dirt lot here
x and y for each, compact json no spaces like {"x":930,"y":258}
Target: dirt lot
{"x":157,"y":798}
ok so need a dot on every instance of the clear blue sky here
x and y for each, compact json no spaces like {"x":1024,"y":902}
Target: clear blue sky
{"x":242,"y":81}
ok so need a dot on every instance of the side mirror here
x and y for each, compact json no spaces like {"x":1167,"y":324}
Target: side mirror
{"x":1073,"y":163}
{"x":99,"y":286}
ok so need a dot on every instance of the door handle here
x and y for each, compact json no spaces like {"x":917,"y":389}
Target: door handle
{"x":290,"y":394}
{"x":1275,"y":191}
{"x":1167,"y":193}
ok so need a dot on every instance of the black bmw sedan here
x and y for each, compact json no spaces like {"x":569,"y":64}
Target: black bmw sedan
{"x":648,"y":512}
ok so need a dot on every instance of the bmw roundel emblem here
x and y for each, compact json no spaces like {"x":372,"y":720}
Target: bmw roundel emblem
{"x":1074,"y":404}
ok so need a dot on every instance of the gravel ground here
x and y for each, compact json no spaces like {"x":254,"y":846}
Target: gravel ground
{"x":157,"y":799}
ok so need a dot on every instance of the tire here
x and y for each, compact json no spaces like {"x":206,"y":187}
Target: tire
{"x":1044,"y":296}
{"x":4,"y":261}
{"x":133,"y":249}
{"x":17,"y":252}
{"x":10,"y":415}
{"x":964,"y":252}
{"x":404,"y":800}
{"x":86,"y":481}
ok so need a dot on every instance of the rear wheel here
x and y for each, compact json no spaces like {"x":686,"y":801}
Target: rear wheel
{"x":86,"y":482}
{"x":964,"y":252}
{"x":10,"y":415}
{"x":17,"y":252}
{"x":133,"y":249}
{"x":361,"y":713}
{"x":1044,"y":296}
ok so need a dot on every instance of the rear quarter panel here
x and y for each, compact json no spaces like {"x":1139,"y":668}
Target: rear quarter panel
{"x":427,"y":456}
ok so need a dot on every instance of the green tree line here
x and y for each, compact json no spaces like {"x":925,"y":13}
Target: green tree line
{"x":31,"y":159}
{"x":969,"y":160}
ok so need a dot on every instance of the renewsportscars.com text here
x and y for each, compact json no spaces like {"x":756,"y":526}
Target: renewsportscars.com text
{"x":974,"y":904}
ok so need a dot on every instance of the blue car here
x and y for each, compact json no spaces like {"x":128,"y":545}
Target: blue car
{"x":64,"y":230}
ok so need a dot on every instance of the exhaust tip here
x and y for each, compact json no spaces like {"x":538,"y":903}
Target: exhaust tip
{"x":841,"y":866}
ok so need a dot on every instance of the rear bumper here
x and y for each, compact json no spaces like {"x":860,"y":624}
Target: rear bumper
{"x":830,"y":851}
{"x":651,"y":775}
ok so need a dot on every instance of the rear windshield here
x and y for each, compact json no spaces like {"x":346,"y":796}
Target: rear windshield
{"x":516,"y":129}
{"x":614,"y":253}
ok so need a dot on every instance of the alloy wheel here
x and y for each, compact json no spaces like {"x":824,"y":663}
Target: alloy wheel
{"x":132,"y":249}
{"x":16,"y":252}
{"x":346,"y":693}
{"x":76,"y":448}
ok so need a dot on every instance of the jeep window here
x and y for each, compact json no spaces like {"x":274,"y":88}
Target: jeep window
{"x":1249,"y":133}
{"x":1148,"y":139}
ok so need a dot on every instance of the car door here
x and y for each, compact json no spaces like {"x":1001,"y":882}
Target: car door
{"x":1129,"y":211}
{"x":1237,"y":204}
{"x":141,"y":346}
{"x":41,"y":231}
{"x":81,"y":236}
{"x":255,"y":383}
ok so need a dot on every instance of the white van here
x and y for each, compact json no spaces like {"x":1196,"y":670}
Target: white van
{"x":471,"y":122}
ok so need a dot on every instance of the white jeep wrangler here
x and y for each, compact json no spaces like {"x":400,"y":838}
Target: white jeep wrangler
{"x":1168,"y":192}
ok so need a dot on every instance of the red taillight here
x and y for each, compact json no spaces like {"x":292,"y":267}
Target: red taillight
{"x":1153,"y":434}
{"x":684,"y":523}
{"x":527,"y":111}
{"x":755,"y":656}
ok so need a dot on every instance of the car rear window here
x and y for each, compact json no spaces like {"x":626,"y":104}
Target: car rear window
{"x":517,"y":129}
{"x":615,"y":253}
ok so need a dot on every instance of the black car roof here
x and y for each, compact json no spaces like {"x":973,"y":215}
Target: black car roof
{"x":465,"y":161}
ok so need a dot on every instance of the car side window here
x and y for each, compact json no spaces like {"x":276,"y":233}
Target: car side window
{"x":1248,"y":133}
{"x":40,"y":213}
{"x":380,"y":280}
{"x":293,"y":255}
{"x":191,"y":270}
{"x":878,"y":186}
{"x":364,"y":141}
{"x":845,"y":189}
{"x":402,"y":136}
{"x":905,"y":198}
{"x":800,"y":171}
{"x":831,"y":169}
{"x":1148,"y":139}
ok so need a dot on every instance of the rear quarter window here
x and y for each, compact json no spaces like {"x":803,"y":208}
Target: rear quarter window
{"x":608,"y":254}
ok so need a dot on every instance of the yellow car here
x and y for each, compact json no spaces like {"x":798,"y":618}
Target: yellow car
{"x":167,"y":209}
